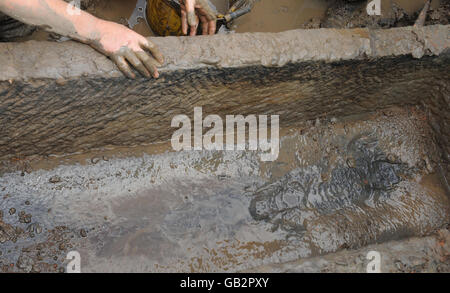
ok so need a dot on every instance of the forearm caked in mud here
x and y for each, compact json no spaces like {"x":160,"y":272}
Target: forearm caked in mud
{"x":121,"y":44}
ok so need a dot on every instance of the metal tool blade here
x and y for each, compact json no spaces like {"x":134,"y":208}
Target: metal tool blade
{"x":139,"y":12}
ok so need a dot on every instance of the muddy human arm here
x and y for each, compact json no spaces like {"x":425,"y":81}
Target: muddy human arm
{"x":194,"y":10}
{"x":114,"y":40}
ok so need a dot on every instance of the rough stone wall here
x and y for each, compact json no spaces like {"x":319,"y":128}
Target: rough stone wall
{"x":64,"y":98}
{"x":439,"y":119}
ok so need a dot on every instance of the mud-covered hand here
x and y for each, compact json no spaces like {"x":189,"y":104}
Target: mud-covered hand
{"x":194,"y":10}
{"x":118,"y":42}
{"x":125,"y":46}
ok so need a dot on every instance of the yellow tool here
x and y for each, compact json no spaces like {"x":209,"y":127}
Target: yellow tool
{"x":164,"y":16}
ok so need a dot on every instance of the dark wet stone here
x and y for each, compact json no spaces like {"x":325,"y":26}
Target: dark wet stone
{"x":34,"y":228}
{"x":24,"y":217}
{"x":62,"y":246}
{"x":55,"y":179}
{"x":370,"y":177}
{"x":25,"y":263}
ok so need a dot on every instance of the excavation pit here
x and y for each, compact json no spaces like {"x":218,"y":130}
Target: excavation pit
{"x":87,"y":164}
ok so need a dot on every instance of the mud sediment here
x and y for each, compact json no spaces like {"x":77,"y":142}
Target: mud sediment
{"x":191,"y":211}
{"x":299,"y":75}
{"x":342,"y":14}
{"x":416,"y":255}
{"x":438,"y":111}
{"x":367,"y":111}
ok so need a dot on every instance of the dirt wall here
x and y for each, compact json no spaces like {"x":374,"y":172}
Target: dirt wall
{"x":64,"y":98}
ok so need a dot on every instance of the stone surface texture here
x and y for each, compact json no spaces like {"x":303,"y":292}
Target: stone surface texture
{"x":65,"y":98}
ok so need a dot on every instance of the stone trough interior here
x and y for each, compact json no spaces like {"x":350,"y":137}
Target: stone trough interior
{"x":363,"y":164}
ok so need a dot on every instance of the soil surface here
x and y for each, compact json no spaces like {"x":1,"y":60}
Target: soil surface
{"x":415,"y":255}
{"x":194,"y":211}
{"x":342,"y":14}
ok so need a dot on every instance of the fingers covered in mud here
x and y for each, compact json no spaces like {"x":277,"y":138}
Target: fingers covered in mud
{"x":194,"y":12}
{"x":157,"y":55}
{"x":127,"y":49}
{"x":144,"y":62}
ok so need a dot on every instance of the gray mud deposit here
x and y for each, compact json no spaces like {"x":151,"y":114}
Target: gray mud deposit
{"x":353,"y":170}
{"x":367,"y":177}
{"x":194,"y":211}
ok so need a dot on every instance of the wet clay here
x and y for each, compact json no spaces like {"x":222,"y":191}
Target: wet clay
{"x":218,"y":78}
{"x":191,"y":211}
{"x":277,"y":16}
{"x":366,"y":177}
{"x":359,"y":163}
{"x":416,"y":255}
{"x":342,"y":14}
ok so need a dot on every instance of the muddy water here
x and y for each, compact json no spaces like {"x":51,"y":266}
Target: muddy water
{"x":412,"y":6}
{"x":277,"y":16}
{"x":336,"y":184}
{"x":266,"y":16}
{"x":118,"y":11}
